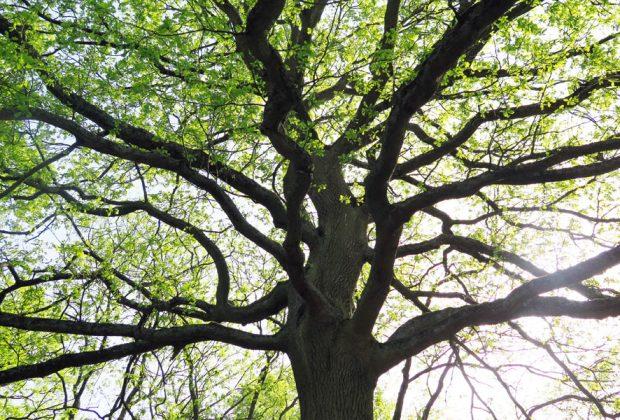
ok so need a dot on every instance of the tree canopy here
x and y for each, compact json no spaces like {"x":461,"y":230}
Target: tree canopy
{"x":257,"y":209}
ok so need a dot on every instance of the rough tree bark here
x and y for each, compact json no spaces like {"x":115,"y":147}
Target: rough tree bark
{"x":330,"y":362}
{"x":332,"y":374}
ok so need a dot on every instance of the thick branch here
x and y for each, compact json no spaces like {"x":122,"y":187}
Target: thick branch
{"x":95,"y":142}
{"x":523,"y":174}
{"x":411,"y":97}
{"x":39,"y":370}
{"x":177,"y":336}
{"x":425,"y":330}
{"x":137,"y":136}
{"x":509,"y":113}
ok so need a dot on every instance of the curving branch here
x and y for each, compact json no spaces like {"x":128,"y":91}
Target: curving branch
{"x":584,"y":91}
{"x":146,"y":340}
{"x":430,"y":328}
{"x":518,"y":174}
{"x":412,"y":96}
{"x":407,"y":100}
{"x":90,"y":140}
{"x":143,"y":139}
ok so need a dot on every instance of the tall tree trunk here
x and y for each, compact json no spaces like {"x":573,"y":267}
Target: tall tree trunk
{"x":336,"y":392}
{"x":332,"y":373}
{"x":330,"y":364}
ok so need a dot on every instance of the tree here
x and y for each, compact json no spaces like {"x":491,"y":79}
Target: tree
{"x":350,"y":184}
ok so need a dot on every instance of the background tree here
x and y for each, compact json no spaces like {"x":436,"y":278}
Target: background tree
{"x":337,"y":187}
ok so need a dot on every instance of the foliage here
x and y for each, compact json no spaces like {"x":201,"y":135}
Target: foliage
{"x":176,"y":177}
